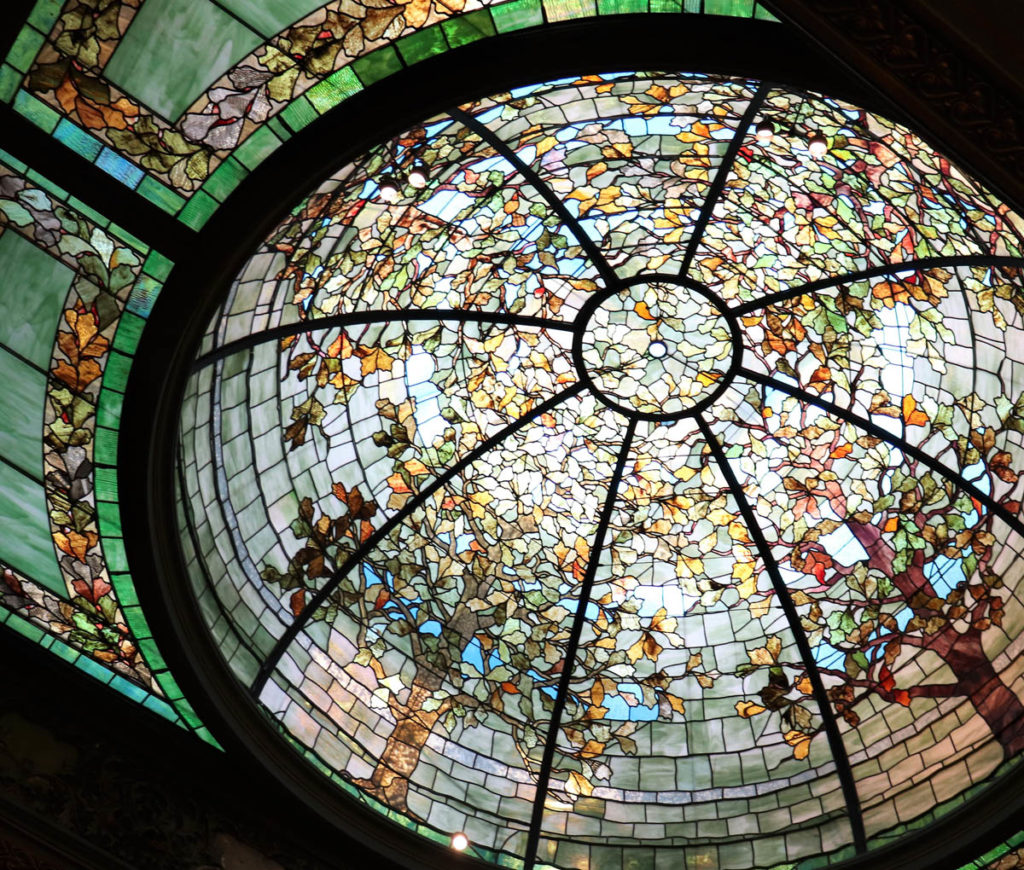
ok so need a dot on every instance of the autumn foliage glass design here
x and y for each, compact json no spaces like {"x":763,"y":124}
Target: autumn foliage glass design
{"x":779,"y":623}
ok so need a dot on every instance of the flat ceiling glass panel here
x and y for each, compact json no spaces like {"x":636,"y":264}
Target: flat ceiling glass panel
{"x":32,"y":294}
{"x":174,"y":50}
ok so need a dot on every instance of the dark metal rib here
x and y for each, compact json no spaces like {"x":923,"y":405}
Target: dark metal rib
{"x":377,"y":315}
{"x":399,"y":517}
{"x":893,"y":440}
{"x":715,"y":191}
{"x":533,"y":838}
{"x":573,"y":225}
{"x":835,"y":740}
{"x":874,"y":272}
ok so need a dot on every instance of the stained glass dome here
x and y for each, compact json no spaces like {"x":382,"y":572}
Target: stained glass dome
{"x":641,"y":491}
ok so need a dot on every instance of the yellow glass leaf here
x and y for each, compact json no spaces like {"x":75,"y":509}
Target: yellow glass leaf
{"x":746,"y":709}
{"x":376,"y":359}
{"x":578,"y":784}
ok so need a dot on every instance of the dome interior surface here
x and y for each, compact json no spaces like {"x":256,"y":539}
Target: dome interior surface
{"x":497,"y":564}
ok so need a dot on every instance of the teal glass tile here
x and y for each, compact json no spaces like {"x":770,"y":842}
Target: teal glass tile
{"x":517,"y":15}
{"x":143,"y":296}
{"x":198,"y":209}
{"x":77,"y":139}
{"x":136,"y":621}
{"x":666,"y":5}
{"x":153,"y":657}
{"x":106,"y":446}
{"x":422,"y":44}
{"x":126,"y":237}
{"x":10,"y":78}
{"x":68,"y":653}
{"x":129,"y":330}
{"x":283,"y":133}
{"x":270,"y":17}
{"x":204,"y":734}
{"x":692,"y":5}
{"x":25,"y":49}
{"x":225,"y":179}
{"x":93,"y":668}
{"x":44,"y":14}
{"x":377,"y":65}
{"x":105,"y":480}
{"x":32,"y":297}
{"x":735,"y":8}
{"x":45,"y":183}
{"x":334,"y":89}
{"x":299,"y":113}
{"x":26,"y":544}
{"x":115,"y":375}
{"x":160,"y":706}
{"x":129,"y":689}
{"x":763,"y":14}
{"x":160,"y":195}
{"x":174,"y":50}
{"x":468,"y":28}
{"x":22,"y":402}
{"x":157,"y":266}
{"x":36,"y":111}
{"x":13,"y":162}
{"x":110,"y":518}
{"x":260,"y":145}
{"x":568,"y":10}
{"x":122,"y":581}
{"x":620,"y":7}
{"x":171,"y":688}
{"x":123,"y":170}
{"x":87,"y":212}
{"x":22,"y":626}
{"x":109,"y":412}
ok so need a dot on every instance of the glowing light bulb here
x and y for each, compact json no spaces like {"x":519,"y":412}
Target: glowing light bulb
{"x":657,"y":349}
{"x":418,"y":175}
{"x":765,"y":131}
{"x":460,"y":842}
{"x":388,"y":188}
{"x":817,"y":145}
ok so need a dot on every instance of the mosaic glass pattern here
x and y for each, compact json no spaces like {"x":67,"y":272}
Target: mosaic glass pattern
{"x":633,"y":491}
{"x":76,"y":293}
{"x":180,"y":99}
{"x":656,"y":348}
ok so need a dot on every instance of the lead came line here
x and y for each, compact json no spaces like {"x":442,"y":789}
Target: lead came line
{"x":893,"y":441}
{"x":360,"y":553}
{"x":385,"y":316}
{"x":875,"y":272}
{"x":718,"y":185}
{"x":835,"y":739}
{"x":506,"y":151}
{"x":544,"y":777}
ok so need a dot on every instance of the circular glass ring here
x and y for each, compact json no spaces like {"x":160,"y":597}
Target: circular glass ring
{"x":657,"y":347}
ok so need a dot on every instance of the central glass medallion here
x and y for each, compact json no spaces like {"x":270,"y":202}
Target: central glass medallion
{"x":657,"y":348}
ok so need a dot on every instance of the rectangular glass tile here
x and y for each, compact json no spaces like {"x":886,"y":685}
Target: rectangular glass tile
{"x":26,"y":544}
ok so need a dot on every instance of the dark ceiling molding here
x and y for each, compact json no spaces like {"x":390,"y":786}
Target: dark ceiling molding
{"x":949,"y":93}
{"x":98,"y":190}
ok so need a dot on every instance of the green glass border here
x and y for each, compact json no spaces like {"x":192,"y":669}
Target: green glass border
{"x":195,"y":209}
{"x":129,"y":332}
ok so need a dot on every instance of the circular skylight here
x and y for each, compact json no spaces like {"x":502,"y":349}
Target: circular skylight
{"x":655,"y":347}
{"x":635,"y":492}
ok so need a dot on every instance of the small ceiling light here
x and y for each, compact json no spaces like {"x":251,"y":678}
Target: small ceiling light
{"x":657,"y":349}
{"x":388,"y":187}
{"x":460,"y":842}
{"x":418,"y":174}
{"x":765,"y":131}
{"x":817,"y":145}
